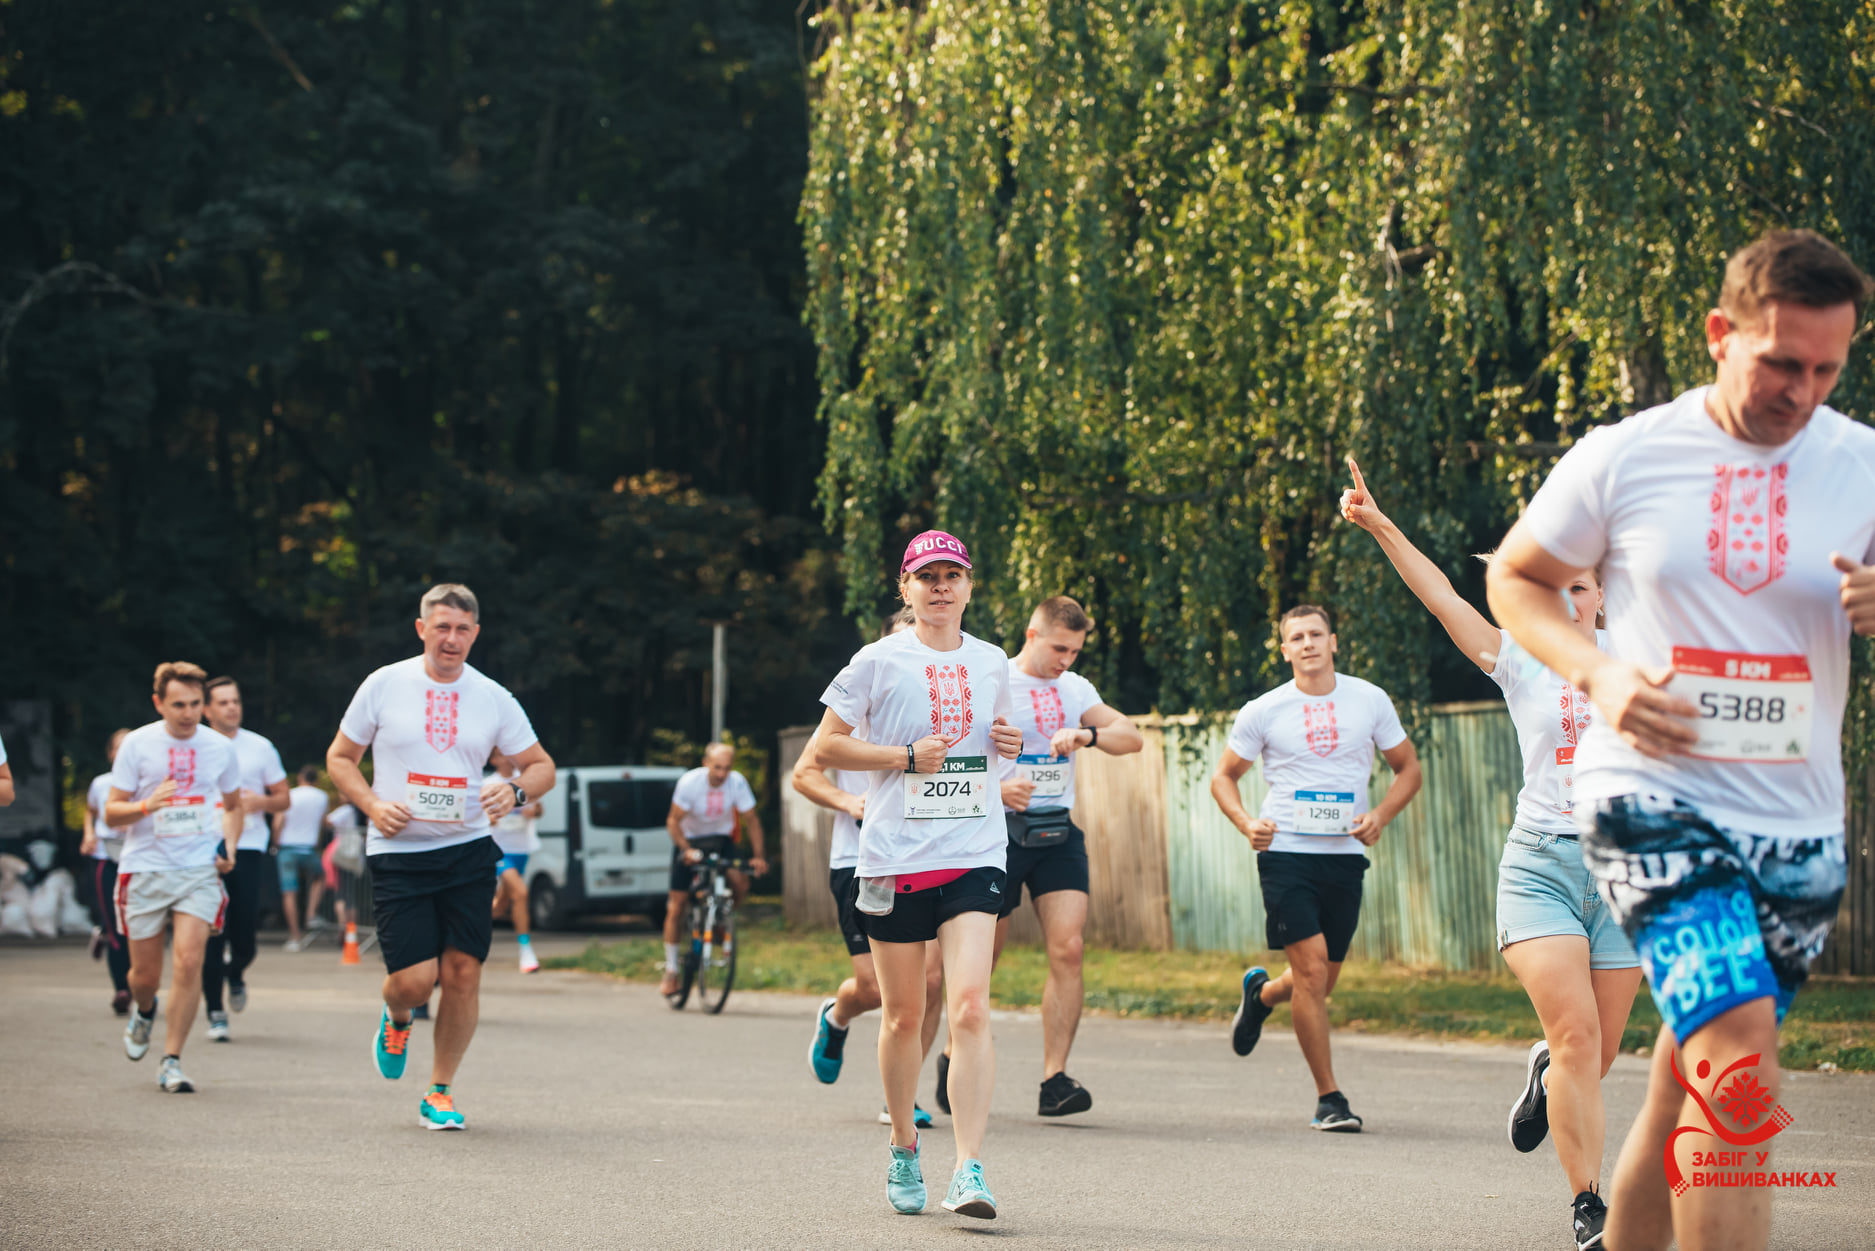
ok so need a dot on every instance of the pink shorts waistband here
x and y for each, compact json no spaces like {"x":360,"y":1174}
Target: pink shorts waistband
{"x":909,"y":882}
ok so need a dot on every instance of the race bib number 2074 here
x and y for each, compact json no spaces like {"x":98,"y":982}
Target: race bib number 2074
{"x":1751,"y":708}
{"x":960,"y":788}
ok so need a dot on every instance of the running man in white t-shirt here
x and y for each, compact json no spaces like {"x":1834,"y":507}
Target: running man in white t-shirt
{"x":176,"y":794}
{"x":431,"y":722}
{"x":1735,"y":527}
{"x":706,"y":806}
{"x":103,"y":846}
{"x":845,"y":794}
{"x":296,"y":852}
{"x":518,"y":837}
{"x":1316,"y":736}
{"x":935,"y":704}
{"x":1571,"y":955}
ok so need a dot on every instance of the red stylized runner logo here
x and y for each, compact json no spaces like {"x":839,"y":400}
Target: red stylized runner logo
{"x":1746,"y":543}
{"x":1046,"y":701}
{"x":1750,"y":1117}
{"x":182,"y":768}
{"x":439,"y":719}
{"x":949,"y":687}
{"x":1318,"y":726}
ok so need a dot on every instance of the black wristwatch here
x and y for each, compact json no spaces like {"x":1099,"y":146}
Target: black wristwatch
{"x":520,"y":796}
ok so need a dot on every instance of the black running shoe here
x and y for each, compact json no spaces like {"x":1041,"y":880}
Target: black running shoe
{"x":1591,"y":1215}
{"x":1332,"y":1115}
{"x":1529,"y":1116}
{"x":1062,"y":1095}
{"x":944,"y":1084}
{"x":1247,"y":1026}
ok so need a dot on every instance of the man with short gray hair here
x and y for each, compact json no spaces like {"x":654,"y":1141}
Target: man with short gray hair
{"x":431,"y":723}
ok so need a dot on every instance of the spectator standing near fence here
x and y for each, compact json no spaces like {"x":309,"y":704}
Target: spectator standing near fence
{"x":431,"y":722}
{"x":103,"y":845}
{"x":296,"y":853}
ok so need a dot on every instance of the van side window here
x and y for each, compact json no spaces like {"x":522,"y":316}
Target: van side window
{"x":629,"y":805}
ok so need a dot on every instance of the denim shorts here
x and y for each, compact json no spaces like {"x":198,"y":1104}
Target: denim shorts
{"x":1721,"y":917}
{"x":290,"y":862}
{"x":1544,"y":889}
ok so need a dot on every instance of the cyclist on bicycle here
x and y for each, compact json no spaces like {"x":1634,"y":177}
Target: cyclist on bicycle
{"x":704,"y":810}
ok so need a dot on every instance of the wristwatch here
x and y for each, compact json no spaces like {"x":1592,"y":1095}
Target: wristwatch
{"x":520,"y":796}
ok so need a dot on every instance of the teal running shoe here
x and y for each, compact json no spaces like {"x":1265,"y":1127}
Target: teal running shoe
{"x":969,"y":1195}
{"x":828,"y":1050}
{"x":438,"y":1111}
{"x":389,"y":1046}
{"x":920,"y":1118}
{"x":904,"y":1178}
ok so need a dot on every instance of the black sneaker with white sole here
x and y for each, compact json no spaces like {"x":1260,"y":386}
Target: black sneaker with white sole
{"x":1063,"y":1096}
{"x":1247,"y":1026}
{"x":944,"y":1084}
{"x":1591,"y":1214}
{"x":1332,"y":1115}
{"x":1529,"y":1115}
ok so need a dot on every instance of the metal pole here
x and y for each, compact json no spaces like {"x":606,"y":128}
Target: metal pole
{"x":719,"y":681}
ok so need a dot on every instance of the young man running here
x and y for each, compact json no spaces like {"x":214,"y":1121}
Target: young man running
{"x":845,"y":795}
{"x":296,"y":853}
{"x":518,"y":837}
{"x":1735,"y":526}
{"x":176,"y":792}
{"x":1059,"y":713}
{"x":702,"y":819}
{"x":263,"y":790}
{"x":431,"y":722}
{"x":1316,"y":736}
{"x":104,"y":846}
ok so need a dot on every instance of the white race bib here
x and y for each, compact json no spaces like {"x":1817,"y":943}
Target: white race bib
{"x":1324,"y":812}
{"x":1751,"y":708}
{"x":1566,"y":778}
{"x":960,"y":788}
{"x":1049,"y":774}
{"x":186,"y":817}
{"x":436,"y":799}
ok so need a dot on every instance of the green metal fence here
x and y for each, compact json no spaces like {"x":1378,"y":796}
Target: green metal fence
{"x":1431,"y":892}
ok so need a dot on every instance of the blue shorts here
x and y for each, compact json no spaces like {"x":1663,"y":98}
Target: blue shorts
{"x":289,"y":862}
{"x":511,"y":861}
{"x":1544,"y":889}
{"x":1720,"y":917}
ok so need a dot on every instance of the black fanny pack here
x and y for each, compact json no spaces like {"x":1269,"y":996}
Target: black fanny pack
{"x":1039,"y":827}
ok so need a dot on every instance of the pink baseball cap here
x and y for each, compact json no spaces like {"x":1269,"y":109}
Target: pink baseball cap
{"x":934,"y":545}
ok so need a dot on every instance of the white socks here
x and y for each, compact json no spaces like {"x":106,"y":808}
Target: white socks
{"x":670,"y":957}
{"x":833,"y":1016}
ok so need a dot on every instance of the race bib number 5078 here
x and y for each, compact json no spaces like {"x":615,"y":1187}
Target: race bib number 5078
{"x":1751,"y":708}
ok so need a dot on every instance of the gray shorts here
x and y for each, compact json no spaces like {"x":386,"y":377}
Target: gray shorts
{"x":145,"y":900}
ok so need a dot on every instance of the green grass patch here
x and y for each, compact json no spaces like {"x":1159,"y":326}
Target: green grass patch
{"x":1833,"y":1021}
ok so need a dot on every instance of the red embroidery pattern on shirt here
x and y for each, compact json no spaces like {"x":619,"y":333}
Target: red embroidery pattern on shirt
{"x":949,"y":686}
{"x":1746,"y":544}
{"x":182,"y":769}
{"x":439,"y":719}
{"x":1046,"y":701}
{"x":1318,"y":726}
{"x":1574,"y":709}
{"x":713,"y":804}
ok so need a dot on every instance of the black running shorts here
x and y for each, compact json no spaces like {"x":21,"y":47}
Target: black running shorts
{"x":425,"y":901}
{"x":1045,"y":869}
{"x":846,"y":899}
{"x":915,"y":917}
{"x":684,"y":874}
{"x":1306,"y":894}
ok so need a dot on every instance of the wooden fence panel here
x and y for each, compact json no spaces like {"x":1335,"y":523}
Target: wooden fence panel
{"x":806,"y":842}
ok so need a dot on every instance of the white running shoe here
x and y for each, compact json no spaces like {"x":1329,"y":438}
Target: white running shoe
{"x":137,"y":1033}
{"x":237,"y":996}
{"x":293,"y":945}
{"x":170,"y":1079}
{"x":530,"y":963}
{"x":218,"y":1027}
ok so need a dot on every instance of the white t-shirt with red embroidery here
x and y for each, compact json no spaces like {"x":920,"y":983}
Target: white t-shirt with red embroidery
{"x":1044,"y":706}
{"x":1321,"y":746}
{"x":187,"y":834}
{"x":902,"y":691}
{"x":1715,"y":556}
{"x":710,"y":811}
{"x":260,"y":768}
{"x":1550,"y":717}
{"x":429,"y":741}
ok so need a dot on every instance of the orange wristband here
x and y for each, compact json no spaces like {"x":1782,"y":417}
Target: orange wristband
{"x":145,"y":806}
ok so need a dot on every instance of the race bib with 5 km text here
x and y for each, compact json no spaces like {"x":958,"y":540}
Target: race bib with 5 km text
{"x":436,"y":799}
{"x":186,"y":817}
{"x":1324,"y":812}
{"x":1751,"y":708}
{"x":1049,"y":774}
{"x":960,"y":788}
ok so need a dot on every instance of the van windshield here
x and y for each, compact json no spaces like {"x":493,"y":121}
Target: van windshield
{"x":633,"y":805}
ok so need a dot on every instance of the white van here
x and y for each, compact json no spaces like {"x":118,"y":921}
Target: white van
{"x":603,"y":845}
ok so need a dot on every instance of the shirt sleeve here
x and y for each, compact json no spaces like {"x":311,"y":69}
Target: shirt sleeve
{"x":1568,"y":518}
{"x":1246,"y":735}
{"x":1005,"y":705}
{"x":1089,"y":697}
{"x":516,"y":733}
{"x":849,"y":695}
{"x":360,"y":723}
{"x":275,"y":770}
{"x":1388,"y":732}
{"x":680,"y":794}
{"x":124,"y":769}
{"x":230,"y":772}
{"x":745,"y":795}
{"x":1504,"y":673}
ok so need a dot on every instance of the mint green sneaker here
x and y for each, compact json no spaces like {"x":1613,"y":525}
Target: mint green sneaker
{"x":390,"y":1046}
{"x":969,"y":1196}
{"x":904,"y":1179}
{"x":438,"y":1110}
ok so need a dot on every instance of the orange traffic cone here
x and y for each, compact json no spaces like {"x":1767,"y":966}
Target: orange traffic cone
{"x":350,"y":954}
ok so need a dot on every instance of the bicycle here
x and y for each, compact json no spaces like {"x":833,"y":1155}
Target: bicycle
{"x":710,"y":964}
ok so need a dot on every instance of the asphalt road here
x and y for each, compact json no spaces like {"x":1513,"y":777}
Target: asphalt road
{"x":600,"y":1118}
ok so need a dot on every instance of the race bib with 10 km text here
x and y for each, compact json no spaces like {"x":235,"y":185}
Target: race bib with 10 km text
{"x":1324,"y":812}
{"x":1751,"y":708}
{"x":1048,"y":774}
{"x":186,"y":817}
{"x":436,"y":799}
{"x":960,"y":788}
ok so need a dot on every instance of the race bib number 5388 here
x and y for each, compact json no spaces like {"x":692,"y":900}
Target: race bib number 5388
{"x":1751,"y":708}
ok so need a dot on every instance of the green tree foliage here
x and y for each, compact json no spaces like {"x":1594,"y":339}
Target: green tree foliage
{"x":1112,"y":288}
{"x":305,"y":305}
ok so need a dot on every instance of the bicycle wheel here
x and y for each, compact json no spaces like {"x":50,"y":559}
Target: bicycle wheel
{"x":718,"y":973}
{"x":687,"y":975}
